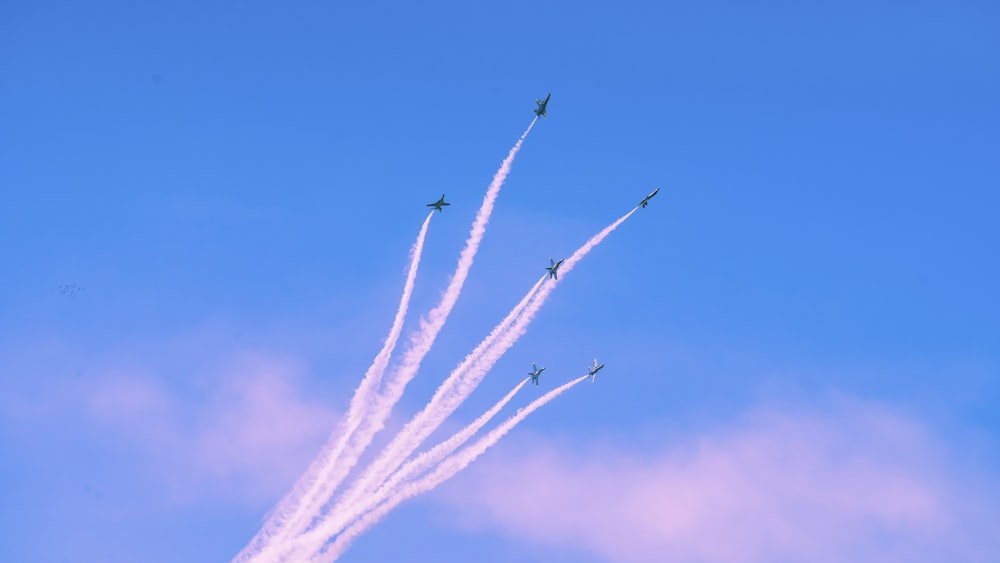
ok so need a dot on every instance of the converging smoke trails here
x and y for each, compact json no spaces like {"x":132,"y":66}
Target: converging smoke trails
{"x":464,"y":379}
{"x":432,"y":457}
{"x":344,"y":513}
{"x":444,"y":471}
{"x":336,"y":468}
{"x":416,"y":431}
{"x":289,"y":511}
{"x":413,"y":468}
{"x":307,"y":524}
{"x":450,"y":394}
{"x":423,"y":340}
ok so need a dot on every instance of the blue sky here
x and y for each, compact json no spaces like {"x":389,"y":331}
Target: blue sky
{"x":235,"y":189}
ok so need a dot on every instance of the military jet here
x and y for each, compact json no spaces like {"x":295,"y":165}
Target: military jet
{"x":534,"y":373}
{"x":554,"y":268}
{"x":646,"y":199}
{"x":541,"y":105}
{"x":593,"y":371}
{"x":438,"y":204}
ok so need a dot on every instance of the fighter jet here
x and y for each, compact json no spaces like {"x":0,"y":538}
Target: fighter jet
{"x":534,"y":373}
{"x":646,"y":199}
{"x":554,"y":268}
{"x":438,"y":204}
{"x":541,"y":105}
{"x":593,"y":371}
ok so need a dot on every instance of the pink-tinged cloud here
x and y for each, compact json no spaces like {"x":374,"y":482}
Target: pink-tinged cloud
{"x":261,"y":423}
{"x":245,"y":439}
{"x":852,"y":483}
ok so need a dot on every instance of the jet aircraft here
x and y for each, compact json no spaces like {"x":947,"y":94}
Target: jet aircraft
{"x":534,"y":373}
{"x":646,"y":199}
{"x":554,"y":268}
{"x":439,"y":204}
{"x":593,"y":371}
{"x":541,"y":105}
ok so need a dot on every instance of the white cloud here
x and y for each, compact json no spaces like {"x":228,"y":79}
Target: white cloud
{"x":850,"y":483}
{"x":242,"y":437}
{"x":237,"y":432}
{"x":260,"y":428}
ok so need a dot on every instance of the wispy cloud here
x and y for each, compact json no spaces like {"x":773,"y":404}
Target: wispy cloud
{"x":854,"y":482}
{"x":239,"y":435}
{"x":259,"y":426}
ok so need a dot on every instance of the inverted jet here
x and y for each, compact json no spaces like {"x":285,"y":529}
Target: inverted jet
{"x":593,"y":371}
{"x":534,"y":373}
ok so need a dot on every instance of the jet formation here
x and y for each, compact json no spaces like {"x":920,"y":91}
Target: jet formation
{"x":439,"y":204}
{"x":591,"y":371}
{"x":553,"y":267}
{"x":534,"y":373}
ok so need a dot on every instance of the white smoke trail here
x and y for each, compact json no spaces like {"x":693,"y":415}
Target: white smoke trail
{"x":404,"y":443}
{"x":343,"y":515}
{"x":380,"y":469}
{"x":289,"y":511}
{"x":467,"y":376}
{"x":432,"y":457}
{"x":452,"y":392}
{"x":374,"y":418}
{"x":444,"y":471}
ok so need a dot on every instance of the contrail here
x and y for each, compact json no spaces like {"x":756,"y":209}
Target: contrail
{"x":404,"y":443}
{"x":374,"y":418}
{"x":444,"y":471}
{"x":288,"y":514}
{"x":413,"y":468}
{"x":454,"y":390}
{"x":432,"y":457}
{"x":467,"y":376}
